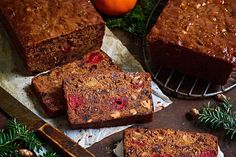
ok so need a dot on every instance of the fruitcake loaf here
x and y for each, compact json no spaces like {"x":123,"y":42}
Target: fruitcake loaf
{"x":197,"y":38}
{"x":108,"y":99}
{"x":48,"y":86}
{"x":168,"y":143}
{"x":49,"y":33}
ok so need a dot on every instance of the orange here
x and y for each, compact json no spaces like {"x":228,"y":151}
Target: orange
{"x":114,"y":7}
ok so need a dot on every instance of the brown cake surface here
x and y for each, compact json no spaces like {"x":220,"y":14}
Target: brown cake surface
{"x":108,"y":99}
{"x":48,"y":86}
{"x":168,"y":143}
{"x":52,"y":32}
{"x":196,"y":37}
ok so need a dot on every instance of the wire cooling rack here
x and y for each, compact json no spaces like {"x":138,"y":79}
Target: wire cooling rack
{"x":176,"y":83}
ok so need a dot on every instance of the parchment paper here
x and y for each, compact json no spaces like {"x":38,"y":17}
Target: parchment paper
{"x":119,"y":150}
{"x":17,"y":84}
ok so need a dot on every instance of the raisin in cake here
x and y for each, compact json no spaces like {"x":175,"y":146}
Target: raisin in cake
{"x":196,"y":37}
{"x":168,"y":143}
{"x":108,"y":99}
{"x":49,"y":33}
{"x":48,"y":86}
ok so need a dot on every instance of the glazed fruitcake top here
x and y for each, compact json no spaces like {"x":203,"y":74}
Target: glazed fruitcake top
{"x":206,"y":26}
{"x":37,"y":20}
{"x":107,"y":96}
{"x":168,"y":143}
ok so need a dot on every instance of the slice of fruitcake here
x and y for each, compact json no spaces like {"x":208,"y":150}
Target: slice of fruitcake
{"x":108,"y":99}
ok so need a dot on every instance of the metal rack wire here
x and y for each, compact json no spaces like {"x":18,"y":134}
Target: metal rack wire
{"x":178,"y":84}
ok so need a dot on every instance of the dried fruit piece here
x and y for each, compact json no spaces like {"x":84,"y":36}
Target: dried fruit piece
{"x":136,"y":142}
{"x":66,"y":47}
{"x":94,"y":58}
{"x":208,"y":153}
{"x":138,"y":85}
{"x":156,"y":148}
{"x":75,"y":100}
{"x":155,"y":155}
{"x":158,"y":155}
{"x":119,"y":103}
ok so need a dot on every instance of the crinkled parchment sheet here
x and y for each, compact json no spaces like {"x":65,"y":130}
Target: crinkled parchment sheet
{"x":12,"y":80}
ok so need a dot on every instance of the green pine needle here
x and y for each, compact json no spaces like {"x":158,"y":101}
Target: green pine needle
{"x":16,"y":136}
{"x":135,"y":21}
{"x":219,"y":116}
{"x":49,"y":154}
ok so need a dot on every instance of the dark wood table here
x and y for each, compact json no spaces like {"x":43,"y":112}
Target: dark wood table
{"x":170,"y":117}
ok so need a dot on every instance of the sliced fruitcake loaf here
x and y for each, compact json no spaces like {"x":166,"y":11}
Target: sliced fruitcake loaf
{"x":48,"y":86}
{"x":108,"y":99}
{"x":168,"y":143}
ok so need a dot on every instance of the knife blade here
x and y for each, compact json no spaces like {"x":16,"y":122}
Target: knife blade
{"x":55,"y":137}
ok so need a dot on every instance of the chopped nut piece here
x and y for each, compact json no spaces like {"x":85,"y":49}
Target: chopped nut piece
{"x":136,"y":79}
{"x":195,"y":111}
{"x":115,"y":115}
{"x":139,"y":90}
{"x":160,"y":137}
{"x":188,"y":139}
{"x":137,"y":135}
{"x":133,"y":111}
{"x":134,"y":97}
{"x":93,"y":82}
{"x":192,"y":114}
{"x":144,"y":154}
{"x":90,"y":120}
{"x":146,"y":104}
{"x":221,"y":97}
{"x":25,"y":152}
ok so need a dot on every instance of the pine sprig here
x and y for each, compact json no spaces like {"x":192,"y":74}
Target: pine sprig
{"x":49,"y":154}
{"x":135,"y":21}
{"x":15,"y":137}
{"x":8,"y":144}
{"x":24,"y":135}
{"x":219,"y":116}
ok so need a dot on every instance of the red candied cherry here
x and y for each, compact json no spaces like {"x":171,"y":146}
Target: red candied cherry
{"x":155,"y":155}
{"x":139,"y":143}
{"x":66,"y":47}
{"x":94,"y":58}
{"x":208,"y":153}
{"x":119,"y":103}
{"x":138,"y":85}
{"x":74,"y":100}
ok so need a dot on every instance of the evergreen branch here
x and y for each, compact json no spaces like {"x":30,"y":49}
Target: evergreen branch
{"x":135,"y":21}
{"x":219,"y":116}
{"x":226,"y":105}
{"x":49,"y":154}
{"x":15,"y":137}
{"x":26,"y":136}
